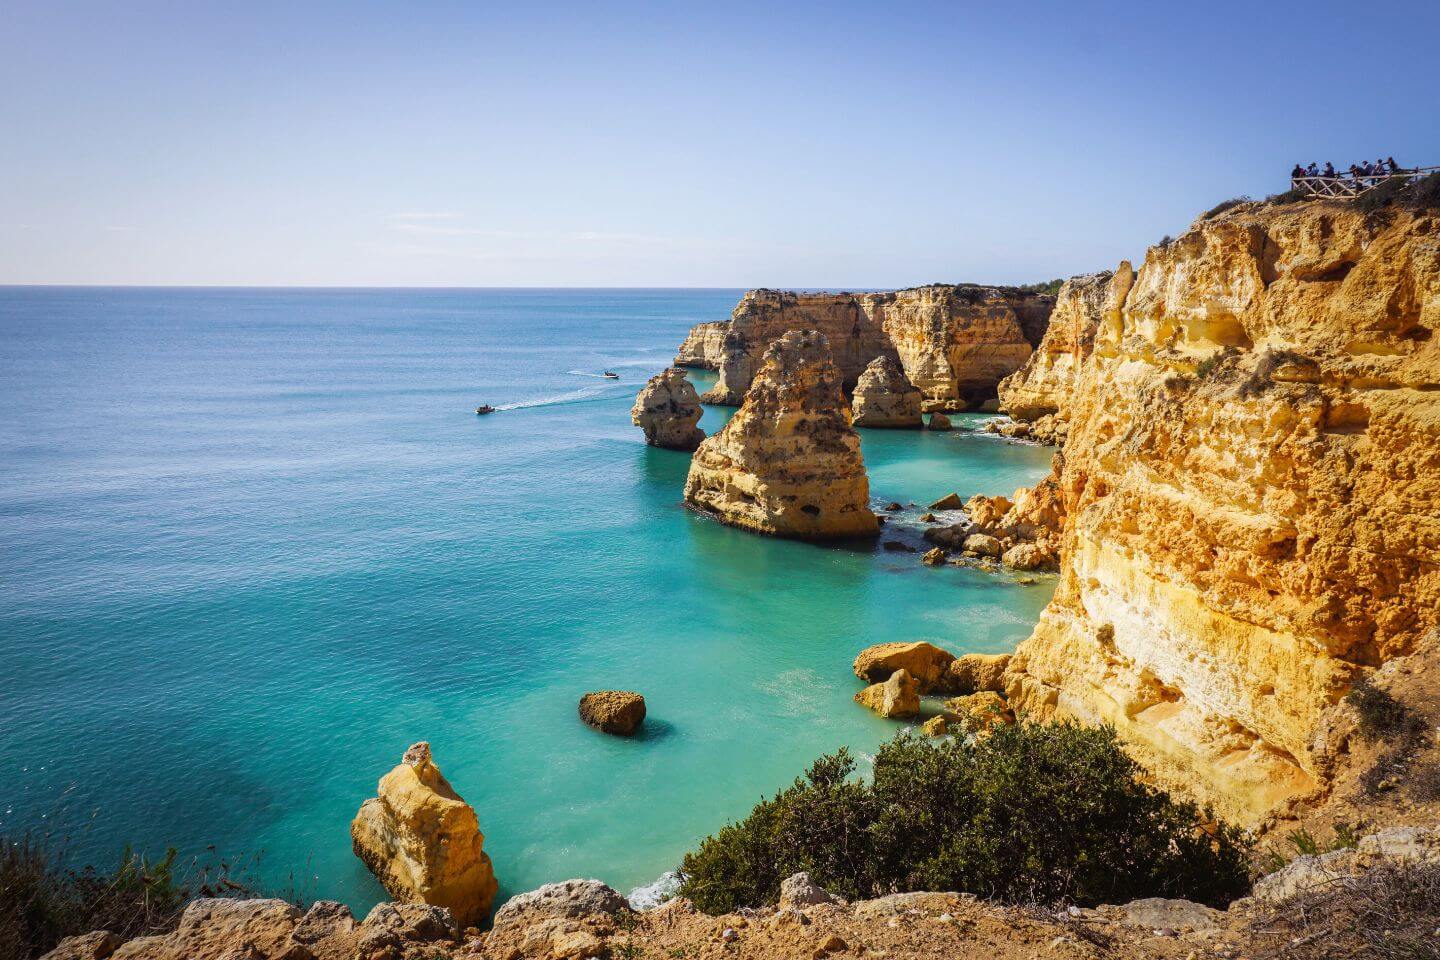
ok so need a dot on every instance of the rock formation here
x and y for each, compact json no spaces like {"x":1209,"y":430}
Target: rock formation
{"x":703,"y":346}
{"x":927,"y":663}
{"x":1250,"y":492}
{"x":898,"y":697}
{"x":613,"y":711}
{"x":938,"y":421}
{"x":423,"y":842}
{"x":884,"y":398}
{"x":788,"y":462}
{"x":954,"y":343}
{"x":667,"y":409}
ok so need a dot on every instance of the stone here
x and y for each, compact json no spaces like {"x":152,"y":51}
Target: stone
{"x":788,"y":462}
{"x":928,"y":517}
{"x":570,"y":899}
{"x":1157,"y":913}
{"x":896,"y":698}
{"x":703,"y":346}
{"x":979,"y":713}
{"x":613,"y":711}
{"x":938,"y":421}
{"x":982,"y":545}
{"x":883,"y":398}
{"x":950,"y":537}
{"x":897,"y":546}
{"x":933,"y":557}
{"x":1027,"y":556}
{"x":987,"y":514}
{"x":976,"y":672}
{"x":96,"y":945}
{"x":668,"y":409}
{"x":923,"y":661}
{"x":798,"y":891}
{"x":951,"y":501}
{"x":423,"y":842}
{"x":935,"y":727}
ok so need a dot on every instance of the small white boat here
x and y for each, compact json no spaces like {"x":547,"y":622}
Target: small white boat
{"x":611,"y":375}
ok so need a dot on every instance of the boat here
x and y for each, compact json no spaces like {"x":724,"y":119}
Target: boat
{"x":611,"y":375}
{"x":483,"y":409}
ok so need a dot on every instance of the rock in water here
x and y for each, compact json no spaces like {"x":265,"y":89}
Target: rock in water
{"x":613,"y":711}
{"x":898,"y":697}
{"x":927,"y":663}
{"x":667,"y":409}
{"x":788,"y":463}
{"x":703,"y":346}
{"x":423,"y":842}
{"x":938,"y":421}
{"x":884,"y":397}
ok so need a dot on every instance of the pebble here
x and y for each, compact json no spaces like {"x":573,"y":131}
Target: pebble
{"x":729,"y":935}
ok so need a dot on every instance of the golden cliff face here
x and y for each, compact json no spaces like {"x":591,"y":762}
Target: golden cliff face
{"x":788,"y":462}
{"x":703,"y":346}
{"x":1252,"y":492}
{"x":955,"y":343}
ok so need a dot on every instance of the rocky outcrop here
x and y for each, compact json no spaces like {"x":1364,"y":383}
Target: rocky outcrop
{"x":613,"y":711}
{"x":898,"y":697}
{"x":423,"y":842}
{"x":788,"y":462}
{"x":703,"y":346}
{"x":568,"y":899}
{"x":667,"y":409}
{"x":954,"y":342}
{"x":927,"y":663}
{"x":1250,"y":493}
{"x":884,"y":398}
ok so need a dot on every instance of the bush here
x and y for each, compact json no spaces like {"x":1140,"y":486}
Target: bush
{"x":1224,"y":205}
{"x":1052,"y":287}
{"x":41,"y":902}
{"x":1380,"y":714}
{"x":1387,"y":912}
{"x":1032,"y":814}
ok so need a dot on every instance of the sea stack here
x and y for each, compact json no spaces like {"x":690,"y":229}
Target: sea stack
{"x":423,"y":842}
{"x":667,"y":409}
{"x":788,"y":463}
{"x":884,"y":397}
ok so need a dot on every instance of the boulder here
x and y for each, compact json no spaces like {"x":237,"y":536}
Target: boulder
{"x":1157,"y":913}
{"x":668,"y":409}
{"x":951,"y":537}
{"x":951,"y":501}
{"x":987,"y":513}
{"x":982,"y":545}
{"x":613,"y":711}
{"x":568,"y":899}
{"x":1027,"y":556}
{"x":933,"y":557}
{"x":935,"y":727}
{"x":977,"y":672}
{"x":896,"y":698}
{"x":938,"y":421}
{"x":96,"y":945}
{"x":925,"y":662}
{"x":423,"y":842}
{"x":798,"y":891}
{"x":213,"y":928}
{"x":979,"y":713}
{"x":391,"y":927}
{"x":788,"y":462}
{"x":885,"y":398}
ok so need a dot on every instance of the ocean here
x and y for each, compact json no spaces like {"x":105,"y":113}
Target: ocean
{"x":256,"y":542}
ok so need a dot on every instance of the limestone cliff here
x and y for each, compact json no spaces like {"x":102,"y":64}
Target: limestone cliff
{"x":668,"y":409}
{"x":423,"y":842}
{"x":954,"y":342}
{"x":885,"y":398}
{"x":788,"y":462}
{"x":702,"y":346}
{"x":1251,"y":489}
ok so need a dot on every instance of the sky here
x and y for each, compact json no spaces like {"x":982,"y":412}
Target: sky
{"x":825,"y":145}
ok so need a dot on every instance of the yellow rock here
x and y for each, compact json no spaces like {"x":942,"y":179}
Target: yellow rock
{"x":898,"y":697}
{"x":788,"y":462}
{"x":980,"y":712}
{"x":1251,"y":494}
{"x":423,"y":842}
{"x":925,"y":662}
{"x":974,"y":672}
{"x":935,"y":727}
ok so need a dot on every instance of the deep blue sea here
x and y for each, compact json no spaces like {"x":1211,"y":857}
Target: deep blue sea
{"x":253,"y":543}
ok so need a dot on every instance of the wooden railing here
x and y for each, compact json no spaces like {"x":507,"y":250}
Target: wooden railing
{"x":1347,"y":187}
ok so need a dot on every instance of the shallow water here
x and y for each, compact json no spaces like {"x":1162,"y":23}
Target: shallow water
{"x":256,"y":543}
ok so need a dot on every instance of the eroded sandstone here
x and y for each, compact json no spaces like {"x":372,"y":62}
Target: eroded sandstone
{"x":668,"y":409}
{"x":885,"y":398}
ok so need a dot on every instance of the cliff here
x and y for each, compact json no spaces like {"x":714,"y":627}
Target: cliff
{"x":1251,"y":488}
{"x":788,"y":462}
{"x":954,"y":342}
{"x":702,"y":346}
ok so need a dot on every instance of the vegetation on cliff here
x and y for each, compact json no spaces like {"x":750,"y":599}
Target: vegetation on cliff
{"x":1032,"y":814}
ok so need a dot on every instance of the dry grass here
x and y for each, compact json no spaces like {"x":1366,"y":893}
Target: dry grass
{"x":1389,"y":913}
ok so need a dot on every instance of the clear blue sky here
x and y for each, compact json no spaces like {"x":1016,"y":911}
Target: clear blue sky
{"x":710,"y":144}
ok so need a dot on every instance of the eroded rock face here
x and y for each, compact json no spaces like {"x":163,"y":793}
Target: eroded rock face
{"x":1251,"y":497}
{"x":788,"y":462}
{"x":423,"y":842}
{"x":884,"y":398}
{"x":570,"y":899}
{"x":668,"y":409}
{"x":954,"y":342}
{"x":703,"y":346}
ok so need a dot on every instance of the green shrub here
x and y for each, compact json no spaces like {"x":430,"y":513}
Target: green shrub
{"x":1052,"y":287}
{"x":1380,"y":714}
{"x":1289,"y":196}
{"x":1224,"y":205}
{"x":42,"y":902}
{"x":1032,"y":814}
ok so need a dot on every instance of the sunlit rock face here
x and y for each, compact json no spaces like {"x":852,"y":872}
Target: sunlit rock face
{"x":702,"y":346}
{"x":884,"y":398}
{"x":954,"y":342}
{"x":1251,"y":487}
{"x":668,"y":409}
{"x":788,"y":462}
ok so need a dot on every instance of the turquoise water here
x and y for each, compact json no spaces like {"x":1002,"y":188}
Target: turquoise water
{"x":256,"y":543}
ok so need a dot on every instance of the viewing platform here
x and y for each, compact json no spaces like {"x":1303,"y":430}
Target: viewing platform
{"x":1347,"y":187}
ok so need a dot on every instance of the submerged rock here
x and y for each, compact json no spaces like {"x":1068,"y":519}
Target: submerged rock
{"x":898,"y":697}
{"x":423,"y":842}
{"x":613,"y":711}
{"x":885,"y":398}
{"x":788,"y":462}
{"x":938,"y":421}
{"x":667,"y":409}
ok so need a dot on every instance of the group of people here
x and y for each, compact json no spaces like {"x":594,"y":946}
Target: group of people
{"x":1368,"y":173}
